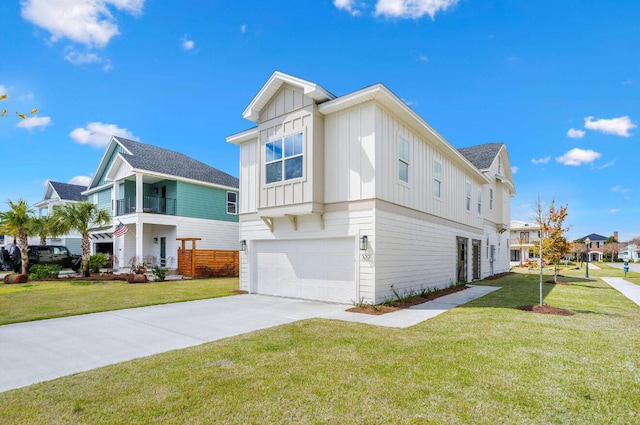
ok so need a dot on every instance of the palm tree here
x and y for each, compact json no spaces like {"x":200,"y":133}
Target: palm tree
{"x":16,"y":222}
{"x":43,"y":227}
{"x":81,"y":217}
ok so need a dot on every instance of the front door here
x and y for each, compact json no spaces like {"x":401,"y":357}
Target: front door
{"x":461,"y":273}
{"x":476,"y":259}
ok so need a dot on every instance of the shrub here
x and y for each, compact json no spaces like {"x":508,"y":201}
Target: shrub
{"x":97,"y":261}
{"x":159,"y":274}
{"x":41,"y":271}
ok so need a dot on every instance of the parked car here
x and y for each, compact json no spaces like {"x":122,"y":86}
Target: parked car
{"x":51,"y":254}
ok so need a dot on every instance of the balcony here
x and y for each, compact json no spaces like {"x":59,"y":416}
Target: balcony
{"x":150,"y":204}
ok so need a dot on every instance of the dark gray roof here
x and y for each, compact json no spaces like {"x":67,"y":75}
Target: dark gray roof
{"x":482,"y":155}
{"x":594,"y":237}
{"x":69,"y":192}
{"x":164,"y":161}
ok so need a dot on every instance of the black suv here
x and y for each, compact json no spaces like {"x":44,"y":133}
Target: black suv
{"x":51,"y":254}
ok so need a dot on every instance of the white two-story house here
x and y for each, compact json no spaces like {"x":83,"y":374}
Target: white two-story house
{"x":351,"y":198}
{"x":160,"y":195}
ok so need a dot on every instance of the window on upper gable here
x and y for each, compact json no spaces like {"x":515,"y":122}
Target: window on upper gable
{"x":479,"y":201}
{"x":232,"y":203}
{"x":284,"y":158}
{"x":403,"y":160}
{"x":437,"y":179}
{"x":467,"y":204}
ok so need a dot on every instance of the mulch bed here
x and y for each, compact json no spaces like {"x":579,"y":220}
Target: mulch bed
{"x":546,"y":309}
{"x":399,"y":305}
{"x":94,"y":277}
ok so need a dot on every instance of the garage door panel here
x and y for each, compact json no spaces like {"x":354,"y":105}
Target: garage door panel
{"x":319,"y":269}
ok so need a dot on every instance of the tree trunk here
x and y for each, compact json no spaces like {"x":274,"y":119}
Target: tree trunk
{"x":23,"y":246}
{"x":86,"y":253}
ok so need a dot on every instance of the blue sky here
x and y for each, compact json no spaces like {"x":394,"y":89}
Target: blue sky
{"x":558,"y":82}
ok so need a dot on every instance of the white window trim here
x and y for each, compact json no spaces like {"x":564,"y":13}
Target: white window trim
{"x":490,"y":199}
{"x":405,"y":161}
{"x":479,"y":202}
{"x":303,"y":155}
{"x":234,"y":203}
{"x":467,"y":198}
{"x":436,"y":179}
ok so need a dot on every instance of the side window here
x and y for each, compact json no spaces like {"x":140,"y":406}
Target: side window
{"x":491,"y":199}
{"x":437,"y":179}
{"x":403,"y":160}
{"x":232,"y":203}
{"x":467,"y":204}
{"x":284,"y":158}
{"x":479,"y":201}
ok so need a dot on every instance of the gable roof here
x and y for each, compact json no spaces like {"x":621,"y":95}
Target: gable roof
{"x":68,"y":192}
{"x":144,"y":157}
{"x":277,"y":79}
{"x":595,"y":237}
{"x":482,"y":156}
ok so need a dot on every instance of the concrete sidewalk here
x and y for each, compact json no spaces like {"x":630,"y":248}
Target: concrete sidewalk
{"x":42,"y":350}
{"x":627,"y":289}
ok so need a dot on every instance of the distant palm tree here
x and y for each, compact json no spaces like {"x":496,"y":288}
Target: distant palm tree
{"x":43,"y":227}
{"x":16,"y":222}
{"x":81,"y":217}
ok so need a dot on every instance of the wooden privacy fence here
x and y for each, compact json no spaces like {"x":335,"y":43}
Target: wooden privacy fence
{"x":208,"y":262}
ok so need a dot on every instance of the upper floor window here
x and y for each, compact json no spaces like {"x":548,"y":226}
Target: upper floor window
{"x":524,"y":237}
{"x":467,"y":205}
{"x":491,"y":199}
{"x":479,"y":201}
{"x":403,"y":160}
{"x":284,"y":158}
{"x":437,"y":179}
{"x":232,"y":203}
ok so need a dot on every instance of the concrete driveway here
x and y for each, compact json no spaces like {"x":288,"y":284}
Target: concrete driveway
{"x":42,"y":350}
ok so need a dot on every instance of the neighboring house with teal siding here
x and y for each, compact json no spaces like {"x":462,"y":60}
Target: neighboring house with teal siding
{"x":57,"y":193}
{"x":161,"y":195}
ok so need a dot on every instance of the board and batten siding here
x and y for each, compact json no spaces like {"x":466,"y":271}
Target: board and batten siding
{"x":337,"y":224}
{"x":249,"y":176}
{"x":290,"y":112}
{"x":202,"y":202}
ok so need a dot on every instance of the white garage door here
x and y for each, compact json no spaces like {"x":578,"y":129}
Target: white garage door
{"x":315,"y":269}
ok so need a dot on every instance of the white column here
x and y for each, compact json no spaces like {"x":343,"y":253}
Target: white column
{"x":115,"y":195}
{"x":139,"y":194}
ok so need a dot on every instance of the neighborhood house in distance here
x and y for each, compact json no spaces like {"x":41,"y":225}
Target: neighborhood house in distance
{"x":160,"y":195}
{"x":354,"y":197}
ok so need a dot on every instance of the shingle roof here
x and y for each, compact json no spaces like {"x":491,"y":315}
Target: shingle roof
{"x":69,"y":192}
{"x":164,"y":161}
{"x":595,"y":237}
{"x":481,"y":155}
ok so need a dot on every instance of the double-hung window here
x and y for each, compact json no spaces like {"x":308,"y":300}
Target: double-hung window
{"x":490,"y":199}
{"x":232,"y":203}
{"x":437,"y":179}
{"x":467,"y":204}
{"x":284,"y":158}
{"x":479,"y":202}
{"x":403,"y":160}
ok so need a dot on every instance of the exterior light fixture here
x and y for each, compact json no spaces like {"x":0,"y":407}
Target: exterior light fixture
{"x":363,"y":243}
{"x":587,"y":242}
{"x":243,"y":245}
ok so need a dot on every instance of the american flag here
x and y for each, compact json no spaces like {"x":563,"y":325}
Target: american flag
{"x":120,"y":230}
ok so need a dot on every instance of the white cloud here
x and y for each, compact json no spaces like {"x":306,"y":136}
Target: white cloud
{"x":3,"y":89}
{"x":627,"y":83}
{"x":412,"y":8}
{"x":618,"y":126}
{"x":98,"y":134}
{"x":607,"y":165}
{"x":80,"y":180}
{"x":187,"y":44}
{"x":348,"y":6}
{"x":243,"y":28}
{"x":514,"y":169}
{"x":34,"y":122}
{"x":577,"y":157}
{"x":423,"y":58}
{"x":541,"y":160}
{"x":88,"y":22}
{"x":576,"y":134}
{"x":619,"y":189}
{"x":76,"y":58}
{"x":614,"y":210}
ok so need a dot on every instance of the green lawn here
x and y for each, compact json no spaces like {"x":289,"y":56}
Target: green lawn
{"x":482,"y":363}
{"x":48,"y":299}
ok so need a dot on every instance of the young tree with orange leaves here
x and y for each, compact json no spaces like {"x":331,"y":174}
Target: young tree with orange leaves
{"x":555,"y":244}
